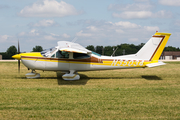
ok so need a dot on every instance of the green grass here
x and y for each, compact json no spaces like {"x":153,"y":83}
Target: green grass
{"x":150,"y":93}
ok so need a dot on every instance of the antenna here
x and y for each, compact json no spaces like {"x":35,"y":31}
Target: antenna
{"x":114,"y":51}
{"x":74,"y":40}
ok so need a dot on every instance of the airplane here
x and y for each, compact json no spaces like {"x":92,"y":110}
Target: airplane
{"x":70,"y":58}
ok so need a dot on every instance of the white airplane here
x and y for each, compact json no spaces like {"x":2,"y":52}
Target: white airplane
{"x":69,"y":58}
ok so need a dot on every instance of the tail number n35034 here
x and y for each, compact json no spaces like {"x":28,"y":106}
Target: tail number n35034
{"x":132,"y":63}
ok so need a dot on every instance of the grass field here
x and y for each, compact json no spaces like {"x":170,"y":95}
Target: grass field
{"x":151,"y":93}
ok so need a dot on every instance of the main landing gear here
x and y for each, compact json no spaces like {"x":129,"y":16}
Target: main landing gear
{"x":72,"y":75}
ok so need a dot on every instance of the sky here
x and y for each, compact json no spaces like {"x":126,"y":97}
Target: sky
{"x":87,"y":22}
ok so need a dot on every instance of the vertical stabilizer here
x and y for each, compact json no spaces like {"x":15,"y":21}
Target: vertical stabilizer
{"x":153,"y":49}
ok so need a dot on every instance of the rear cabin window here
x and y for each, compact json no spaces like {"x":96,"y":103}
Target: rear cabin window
{"x":80,"y":56}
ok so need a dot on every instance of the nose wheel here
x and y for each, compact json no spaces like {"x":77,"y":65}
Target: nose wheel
{"x":72,"y":75}
{"x":33,"y":74}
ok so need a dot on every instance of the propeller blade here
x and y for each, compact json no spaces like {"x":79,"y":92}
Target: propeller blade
{"x":18,"y":60}
{"x":19,"y":66}
{"x":18,"y":47}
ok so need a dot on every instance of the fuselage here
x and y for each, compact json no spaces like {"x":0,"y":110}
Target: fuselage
{"x":36,"y":61}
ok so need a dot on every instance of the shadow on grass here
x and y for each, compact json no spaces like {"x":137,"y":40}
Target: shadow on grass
{"x":151,"y":77}
{"x":84,"y":79}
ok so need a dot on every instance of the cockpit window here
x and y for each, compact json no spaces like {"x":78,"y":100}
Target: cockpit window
{"x":60,"y":54}
{"x":48,"y":52}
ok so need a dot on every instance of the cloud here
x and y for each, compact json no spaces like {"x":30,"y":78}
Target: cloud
{"x":66,"y":35}
{"x":44,"y":23}
{"x":4,"y":38}
{"x":137,"y":11}
{"x":127,"y":24}
{"x":82,"y":34}
{"x":133,"y":14}
{"x":151,"y":28}
{"x":162,"y":14}
{"x":114,"y":33}
{"x":143,"y":14}
{"x":170,"y":2}
{"x":49,"y":8}
{"x":130,"y":7}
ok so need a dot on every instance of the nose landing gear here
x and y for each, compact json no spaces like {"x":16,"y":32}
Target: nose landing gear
{"x":33,"y":74}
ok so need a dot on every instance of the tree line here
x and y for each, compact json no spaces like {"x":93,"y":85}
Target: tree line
{"x":12,"y":50}
{"x":122,"y":49}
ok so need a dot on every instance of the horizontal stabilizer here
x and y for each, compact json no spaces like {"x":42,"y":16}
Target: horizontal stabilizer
{"x":159,"y":63}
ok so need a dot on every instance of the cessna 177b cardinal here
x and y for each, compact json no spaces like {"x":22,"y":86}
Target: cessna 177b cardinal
{"x":69,"y":58}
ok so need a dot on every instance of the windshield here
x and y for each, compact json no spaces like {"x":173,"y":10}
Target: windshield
{"x":48,"y":52}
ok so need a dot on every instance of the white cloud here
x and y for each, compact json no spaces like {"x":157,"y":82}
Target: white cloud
{"x":49,"y":8}
{"x":127,"y":24}
{"x":119,"y":31}
{"x":81,"y":33}
{"x":170,"y":2}
{"x":163,"y":14}
{"x":4,"y":38}
{"x":133,"y":14}
{"x":130,"y":7}
{"x":151,"y":28}
{"x":92,"y":28}
{"x":32,"y":33}
{"x":143,"y":14}
{"x":113,"y":33}
{"x":44,"y":23}
{"x":54,"y":34}
{"x":49,"y":37}
{"x":66,"y":35}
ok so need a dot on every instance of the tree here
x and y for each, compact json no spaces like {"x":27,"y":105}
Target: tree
{"x":170,"y":48}
{"x":99,"y":49}
{"x":91,"y":48}
{"x":108,"y":50}
{"x":37,"y":49}
{"x":11,"y":51}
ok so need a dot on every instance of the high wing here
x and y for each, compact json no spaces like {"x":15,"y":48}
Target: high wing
{"x":72,"y":47}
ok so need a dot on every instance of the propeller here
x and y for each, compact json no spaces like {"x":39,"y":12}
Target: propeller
{"x":18,"y":60}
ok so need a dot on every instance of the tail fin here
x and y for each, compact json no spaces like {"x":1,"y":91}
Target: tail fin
{"x":153,"y":49}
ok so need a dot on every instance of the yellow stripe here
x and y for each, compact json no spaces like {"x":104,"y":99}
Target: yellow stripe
{"x":161,"y":47}
{"x":106,"y":63}
{"x":32,"y":54}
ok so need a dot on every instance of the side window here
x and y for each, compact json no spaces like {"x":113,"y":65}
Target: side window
{"x":53,"y":56}
{"x":58,"y":54}
{"x":80,"y":56}
{"x":62,"y":54}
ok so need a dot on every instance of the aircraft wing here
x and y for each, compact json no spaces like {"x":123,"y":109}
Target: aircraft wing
{"x":72,"y":47}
